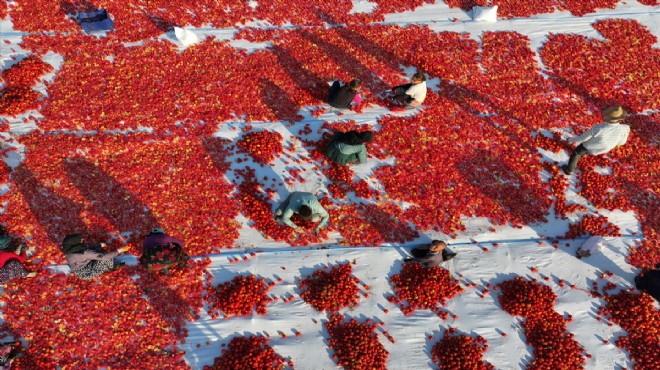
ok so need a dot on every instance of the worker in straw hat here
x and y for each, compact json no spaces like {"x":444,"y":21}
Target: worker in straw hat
{"x":601,"y":138}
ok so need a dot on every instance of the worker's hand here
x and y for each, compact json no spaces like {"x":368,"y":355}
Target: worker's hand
{"x":317,"y":231}
{"x":573,"y":139}
{"x":299,"y":229}
{"x":123,"y":249}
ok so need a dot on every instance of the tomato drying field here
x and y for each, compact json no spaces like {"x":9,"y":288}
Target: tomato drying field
{"x":116,"y":133}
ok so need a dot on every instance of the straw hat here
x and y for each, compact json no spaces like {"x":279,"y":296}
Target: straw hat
{"x":614,"y":113}
{"x":186,"y":37}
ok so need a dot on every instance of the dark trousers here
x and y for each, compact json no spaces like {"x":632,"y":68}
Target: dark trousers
{"x":400,"y":95}
{"x":575,"y":157}
{"x":334,"y":89}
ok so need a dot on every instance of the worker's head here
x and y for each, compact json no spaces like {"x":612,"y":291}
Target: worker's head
{"x":613,"y":114}
{"x":356,"y":84}
{"x":418,"y":78}
{"x":366,"y":136}
{"x":438,"y":246}
{"x":305,"y":211}
{"x":73,"y":243}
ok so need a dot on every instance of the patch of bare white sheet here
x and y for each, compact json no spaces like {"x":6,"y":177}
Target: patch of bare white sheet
{"x":363,"y":6}
{"x":475,"y":315}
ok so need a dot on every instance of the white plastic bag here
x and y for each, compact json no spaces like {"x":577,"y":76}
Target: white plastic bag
{"x":484,"y":13}
{"x":185,"y":37}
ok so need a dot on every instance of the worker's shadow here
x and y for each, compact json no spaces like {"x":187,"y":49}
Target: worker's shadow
{"x":109,"y":198}
{"x":57,"y":215}
{"x":279,"y":102}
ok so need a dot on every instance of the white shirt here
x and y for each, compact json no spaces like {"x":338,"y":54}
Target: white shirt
{"x":418,"y":91}
{"x":604,"y":137}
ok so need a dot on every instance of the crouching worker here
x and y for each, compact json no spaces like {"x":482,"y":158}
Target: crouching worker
{"x":161,"y":251}
{"x":88,"y":261}
{"x":411,"y":94}
{"x":12,"y":258}
{"x":601,"y":138}
{"x":431,"y":255}
{"x":11,"y":266}
{"x":349,"y":147}
{"x":306,"y":206}
{"x":342,"y":96}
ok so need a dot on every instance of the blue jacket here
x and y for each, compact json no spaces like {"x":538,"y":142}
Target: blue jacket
{"x":298,"y":199}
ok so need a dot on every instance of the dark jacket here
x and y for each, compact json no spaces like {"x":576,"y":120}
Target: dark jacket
{"x":649,"y":283}
{"x":426,"y":257}
{"x":342,"y":98}
{"x":158,"y":239}
{"x":73,"y":244}
{"x":344,"y":154}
